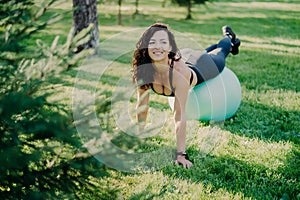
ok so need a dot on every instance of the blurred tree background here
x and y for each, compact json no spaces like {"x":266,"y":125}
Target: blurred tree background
{"x":189,"y":5}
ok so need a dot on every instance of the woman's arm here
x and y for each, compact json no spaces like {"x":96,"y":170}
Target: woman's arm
{"x":142,"y":106}
{"x":182,"y":89}
{"x":180,"y":120}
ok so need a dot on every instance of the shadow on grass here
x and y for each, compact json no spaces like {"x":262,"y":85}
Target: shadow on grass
{"x":87,"y":80}
{"x":263,"y":71}
{"x":255,"y":120}
{"x":236,"y":176}
{"x":146,"y":194}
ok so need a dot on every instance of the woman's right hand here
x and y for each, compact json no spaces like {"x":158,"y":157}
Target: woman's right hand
{"x":182,"y":160}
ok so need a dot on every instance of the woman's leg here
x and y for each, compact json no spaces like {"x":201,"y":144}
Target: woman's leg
{"x":211,"y":64}
{"x":212,"y":47}
{"x":221,"y":52}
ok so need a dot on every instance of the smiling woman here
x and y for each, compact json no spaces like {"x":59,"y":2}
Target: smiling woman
{"x":159,"y":46}
{"x":157,"y":64}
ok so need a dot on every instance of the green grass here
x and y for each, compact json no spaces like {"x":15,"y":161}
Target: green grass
{"x":255,"y":154}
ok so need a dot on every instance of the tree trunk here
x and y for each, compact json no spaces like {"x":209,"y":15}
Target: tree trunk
{"x":84,"y":14}
{"x":163,"y":4}
{"x":189,"y":7}
{"x":136,"y":7}
{"x":120,"y":13}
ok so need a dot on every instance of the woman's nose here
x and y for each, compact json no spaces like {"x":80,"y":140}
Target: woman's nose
{"x":157,"y":46}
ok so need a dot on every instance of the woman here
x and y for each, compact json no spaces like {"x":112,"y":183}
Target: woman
{"x":157,"y":64}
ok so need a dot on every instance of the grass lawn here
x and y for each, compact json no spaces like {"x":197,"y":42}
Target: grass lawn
{"x":253,"y":155}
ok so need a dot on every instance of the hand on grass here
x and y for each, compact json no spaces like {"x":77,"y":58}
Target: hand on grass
{"x":181,"y":160}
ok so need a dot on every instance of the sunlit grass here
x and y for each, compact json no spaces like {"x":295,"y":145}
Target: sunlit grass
{"x":265,"y":6}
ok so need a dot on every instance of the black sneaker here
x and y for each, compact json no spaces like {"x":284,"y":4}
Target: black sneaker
{"x":227,"y":31}
{"x":235,"y":48}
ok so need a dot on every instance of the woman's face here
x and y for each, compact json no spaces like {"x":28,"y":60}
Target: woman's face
{"x":159,"y":46}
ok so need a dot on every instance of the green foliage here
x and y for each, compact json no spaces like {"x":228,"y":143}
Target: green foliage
{"x":188,"y":4}
{"x":39,"y":147}
{"x":19,"y":20}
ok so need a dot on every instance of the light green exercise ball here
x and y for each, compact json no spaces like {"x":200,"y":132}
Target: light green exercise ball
{"x":216,"y":99}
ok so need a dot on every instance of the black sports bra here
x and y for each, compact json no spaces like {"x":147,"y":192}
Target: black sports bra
{"x":171,"y":80}
{"x":198,"y":74}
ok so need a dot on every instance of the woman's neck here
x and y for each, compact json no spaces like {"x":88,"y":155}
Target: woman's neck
{"x":161,"y":66}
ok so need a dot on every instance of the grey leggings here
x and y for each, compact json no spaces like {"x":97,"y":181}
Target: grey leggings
{"x":209,"y":64}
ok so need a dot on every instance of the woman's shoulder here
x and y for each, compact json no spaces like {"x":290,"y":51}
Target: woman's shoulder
{"x":180,"y":66}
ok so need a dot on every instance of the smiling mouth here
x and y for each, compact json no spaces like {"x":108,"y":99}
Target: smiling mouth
{"x":158,"y":52}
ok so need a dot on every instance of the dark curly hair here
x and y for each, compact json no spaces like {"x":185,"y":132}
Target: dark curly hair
{"x":143,"y":70}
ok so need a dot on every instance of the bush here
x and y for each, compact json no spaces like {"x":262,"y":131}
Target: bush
{"x":40,"y":151}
